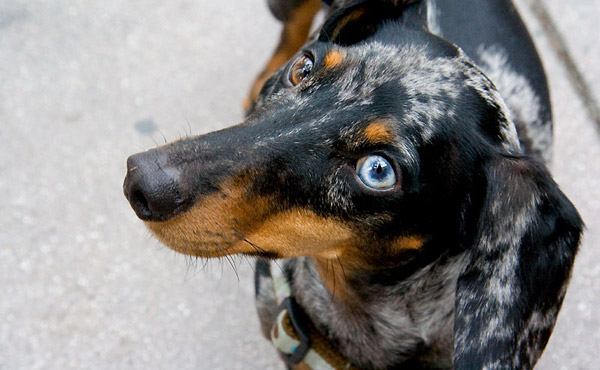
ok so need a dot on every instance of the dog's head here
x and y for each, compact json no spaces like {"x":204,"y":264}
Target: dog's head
{"x":361,"y":142}
{"x":377,"y":146}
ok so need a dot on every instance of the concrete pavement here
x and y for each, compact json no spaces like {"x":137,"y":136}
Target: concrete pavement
{"x":85,"y":83}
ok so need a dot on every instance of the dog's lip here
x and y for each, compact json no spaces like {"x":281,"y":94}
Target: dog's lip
{"x":200,"y":249}
{"x":179,"y":210}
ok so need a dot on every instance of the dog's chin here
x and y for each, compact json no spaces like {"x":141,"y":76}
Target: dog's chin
{"x":196,"y":244}
{"x":197,"y":251}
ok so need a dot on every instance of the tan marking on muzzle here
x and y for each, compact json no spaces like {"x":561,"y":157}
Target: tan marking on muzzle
{"x":214,"y":226}
{"x":231,"y":222}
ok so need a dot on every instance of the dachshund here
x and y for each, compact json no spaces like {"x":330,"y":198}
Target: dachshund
{"x":391,"y":180}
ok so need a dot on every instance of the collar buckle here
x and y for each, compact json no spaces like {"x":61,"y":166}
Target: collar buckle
{"x":298,"y":319}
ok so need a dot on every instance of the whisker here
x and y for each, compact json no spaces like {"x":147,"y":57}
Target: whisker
{"x":342,"y":266}
{"x":334,"y":283}
{"x":155,"y":142}
{"x":223,"y":235}
{"x":256,"y":247}
{"x":242,"y":257}
{"x":189,"y":126}
{"x":231,"y":261}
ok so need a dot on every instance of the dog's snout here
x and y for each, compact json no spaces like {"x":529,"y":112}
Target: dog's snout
{"x":153,"y":188}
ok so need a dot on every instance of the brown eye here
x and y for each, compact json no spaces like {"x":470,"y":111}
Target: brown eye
{"x":301,"y":69}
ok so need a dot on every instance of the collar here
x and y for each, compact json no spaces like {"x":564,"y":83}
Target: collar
{"x":295,"y":336}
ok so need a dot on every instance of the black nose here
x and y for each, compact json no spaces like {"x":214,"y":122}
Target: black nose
{"x":153,"y":187}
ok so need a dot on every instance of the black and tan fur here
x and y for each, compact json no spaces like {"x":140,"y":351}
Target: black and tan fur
{"x":464,"y":263}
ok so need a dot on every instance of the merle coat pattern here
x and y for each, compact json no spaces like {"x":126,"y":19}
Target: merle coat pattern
{"x":463,"y":263}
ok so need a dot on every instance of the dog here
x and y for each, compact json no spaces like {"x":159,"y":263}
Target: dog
{"x":395,"y":170}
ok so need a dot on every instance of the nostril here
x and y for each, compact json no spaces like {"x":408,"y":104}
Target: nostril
{"x":140,"y":203}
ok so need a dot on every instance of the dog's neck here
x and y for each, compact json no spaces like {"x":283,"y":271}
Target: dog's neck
{"x":378,"y":324}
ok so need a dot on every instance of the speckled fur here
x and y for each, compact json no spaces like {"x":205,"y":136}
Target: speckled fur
{"x":524,"y":104}
{"x":456,"y":311}
{"x":463,"y":263}
{"x":417,"y":312}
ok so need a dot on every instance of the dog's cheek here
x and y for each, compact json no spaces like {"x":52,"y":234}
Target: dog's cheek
{"x":301,"y":232}
{"x":338,"y":194}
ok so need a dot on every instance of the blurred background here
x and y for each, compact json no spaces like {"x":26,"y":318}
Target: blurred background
{"x":86,"y":83}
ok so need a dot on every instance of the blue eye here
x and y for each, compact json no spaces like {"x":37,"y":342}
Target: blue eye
{"x":376,"y":172}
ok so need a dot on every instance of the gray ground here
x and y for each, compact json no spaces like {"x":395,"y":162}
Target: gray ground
{"x":85,"y":83}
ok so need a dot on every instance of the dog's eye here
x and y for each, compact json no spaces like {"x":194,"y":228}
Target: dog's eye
{"x":301,"y":69}
{"x":376,"y":172}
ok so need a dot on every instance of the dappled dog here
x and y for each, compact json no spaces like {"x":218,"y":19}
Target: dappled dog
{"x":405,"y":196}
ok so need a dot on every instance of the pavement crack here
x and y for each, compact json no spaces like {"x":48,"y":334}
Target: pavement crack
{"x":559,"y":45}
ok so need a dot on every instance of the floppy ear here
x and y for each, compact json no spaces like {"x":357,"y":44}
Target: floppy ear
{"x":359,"y":19}
{"x":511,"y":290}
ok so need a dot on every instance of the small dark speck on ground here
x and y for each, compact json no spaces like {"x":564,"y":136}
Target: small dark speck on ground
{"x":146,"y":126}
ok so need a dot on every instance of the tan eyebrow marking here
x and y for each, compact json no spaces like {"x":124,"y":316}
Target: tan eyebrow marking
{"x":333,"y":58}
{"x":378,"y":133}
{"x":408,"y":242}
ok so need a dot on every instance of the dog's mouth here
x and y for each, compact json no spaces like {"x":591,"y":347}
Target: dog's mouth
{"x":286,"y":234}
{"x":230,"y":221}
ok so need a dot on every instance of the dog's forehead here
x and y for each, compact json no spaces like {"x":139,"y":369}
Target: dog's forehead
{"x":400,"y":58}
{"x":408,"y":81}
{"x":423,"y":85}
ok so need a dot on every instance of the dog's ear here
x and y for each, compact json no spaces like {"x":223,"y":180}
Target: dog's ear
{"x":526,"y":235}
{"x":356,"y":20}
